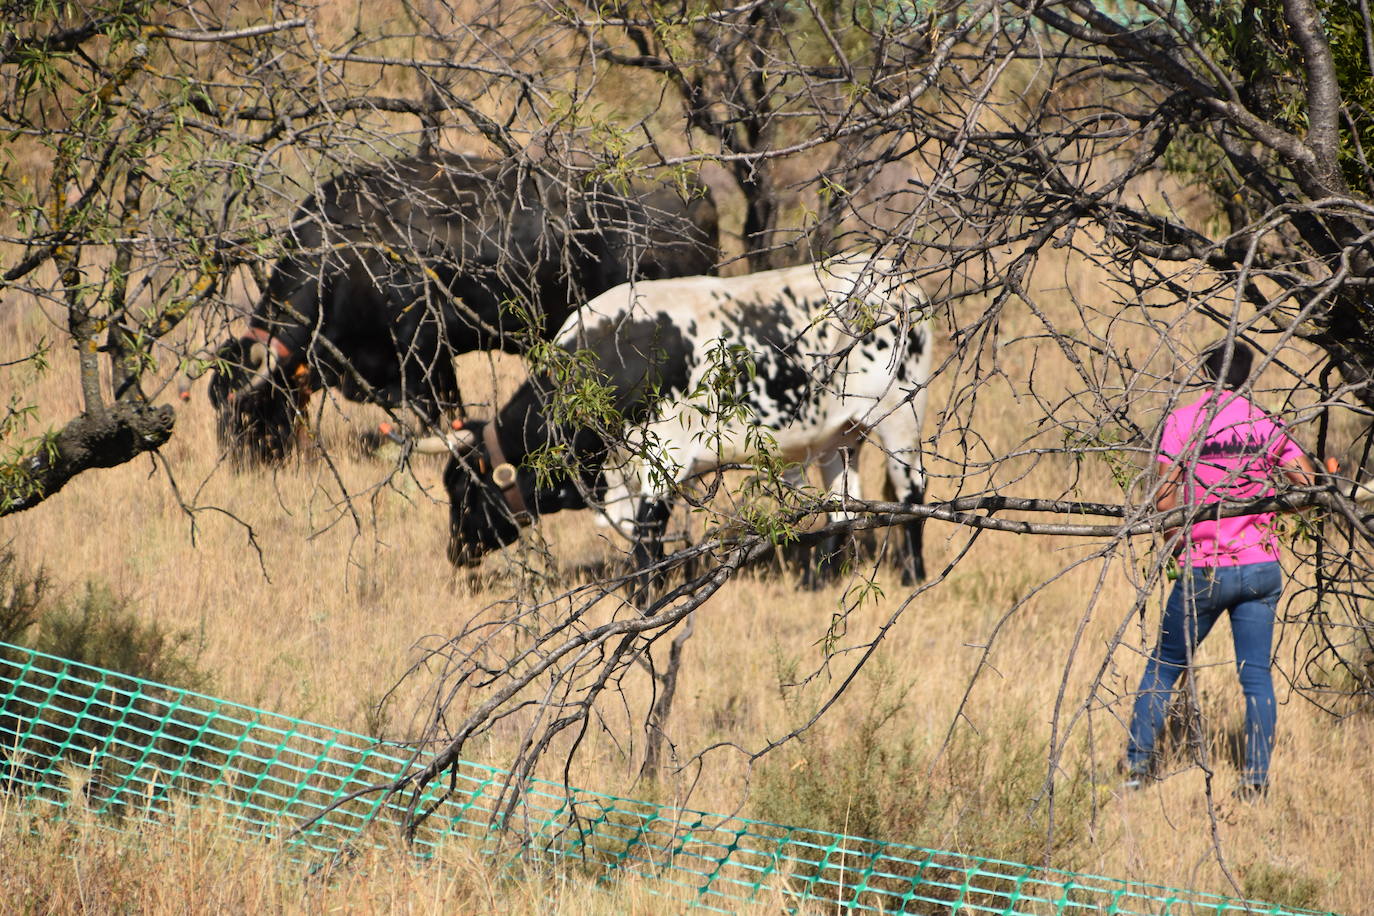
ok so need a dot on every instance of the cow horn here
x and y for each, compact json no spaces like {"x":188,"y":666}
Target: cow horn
{"x":456,"y":442}
{"x":262,"y":360}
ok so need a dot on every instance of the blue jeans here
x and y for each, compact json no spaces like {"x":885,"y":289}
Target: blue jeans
{"x":1201,"y":596}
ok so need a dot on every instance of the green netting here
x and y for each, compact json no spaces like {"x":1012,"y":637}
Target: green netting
{"x":142,"y":743}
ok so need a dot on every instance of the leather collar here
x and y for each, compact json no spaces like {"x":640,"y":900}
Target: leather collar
{"x":504,"y":476}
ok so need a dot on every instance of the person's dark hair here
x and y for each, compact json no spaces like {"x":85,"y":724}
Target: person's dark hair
{"x":1238,"y":372}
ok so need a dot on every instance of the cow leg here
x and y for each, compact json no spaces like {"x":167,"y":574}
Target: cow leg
{"x":907,"y":478}
{"x":650,"y":524}
{"x":840,"y":471}
{"x":618,"y":502}
{"x":797,"y":554}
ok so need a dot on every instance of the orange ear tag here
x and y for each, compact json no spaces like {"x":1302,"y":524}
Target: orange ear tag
{"x":456,"y":424}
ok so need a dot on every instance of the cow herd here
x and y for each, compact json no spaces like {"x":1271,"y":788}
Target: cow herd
{"x":664,"y":373}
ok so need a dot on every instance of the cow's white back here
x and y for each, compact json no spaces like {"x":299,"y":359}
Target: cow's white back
{"x":853,"y":328}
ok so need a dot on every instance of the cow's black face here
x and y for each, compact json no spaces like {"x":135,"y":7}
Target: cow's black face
{"x":255,"y":411}
{"x":480,"y":521}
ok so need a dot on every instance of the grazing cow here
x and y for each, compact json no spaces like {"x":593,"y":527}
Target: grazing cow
{"x":393,"y":269}
{"x":810,"y":360}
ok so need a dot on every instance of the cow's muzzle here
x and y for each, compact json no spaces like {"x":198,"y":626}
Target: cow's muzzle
{"x":463,"y":555}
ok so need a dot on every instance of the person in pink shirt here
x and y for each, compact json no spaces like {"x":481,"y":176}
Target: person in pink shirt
{"x":1220,"y":447}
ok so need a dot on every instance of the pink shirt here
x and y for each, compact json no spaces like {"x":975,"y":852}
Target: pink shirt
{"x":1231,"y":454}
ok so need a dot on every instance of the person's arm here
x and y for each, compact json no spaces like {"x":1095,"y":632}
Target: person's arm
{"x":1167,"y":499}
{"x":1169,"y":453}
{"x":1168,"y":491}
{"x":1299,"y":471}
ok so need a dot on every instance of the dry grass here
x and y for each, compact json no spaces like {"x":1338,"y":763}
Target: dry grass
{"x":314,"y":606}
{"x":189,"y":862}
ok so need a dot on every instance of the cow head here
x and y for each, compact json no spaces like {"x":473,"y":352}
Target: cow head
{"x":481,"y":518}
{"x":490,"y":497}
{"x":257,"y":395}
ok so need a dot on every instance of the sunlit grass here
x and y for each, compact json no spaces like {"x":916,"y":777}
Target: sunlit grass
{"x":312,"y":604}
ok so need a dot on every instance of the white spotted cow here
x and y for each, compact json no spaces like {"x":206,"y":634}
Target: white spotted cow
{"x":806,"y":361}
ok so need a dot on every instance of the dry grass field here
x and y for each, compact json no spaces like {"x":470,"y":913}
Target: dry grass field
{"x":193,"y":865}
{"x":312,"y":589}
{"x":298,"y":599}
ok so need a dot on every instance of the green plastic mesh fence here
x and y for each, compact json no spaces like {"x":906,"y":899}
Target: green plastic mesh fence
{"x":142,"y":743}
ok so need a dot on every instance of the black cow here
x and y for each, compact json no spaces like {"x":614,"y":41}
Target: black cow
{"x":393,"y":269}
{"x":813,"y":360}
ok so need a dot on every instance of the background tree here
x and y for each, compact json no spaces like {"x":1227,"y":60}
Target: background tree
{"x":1262,"y":108}
{"x":124,"y":182}
{"x":772,"y":85}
